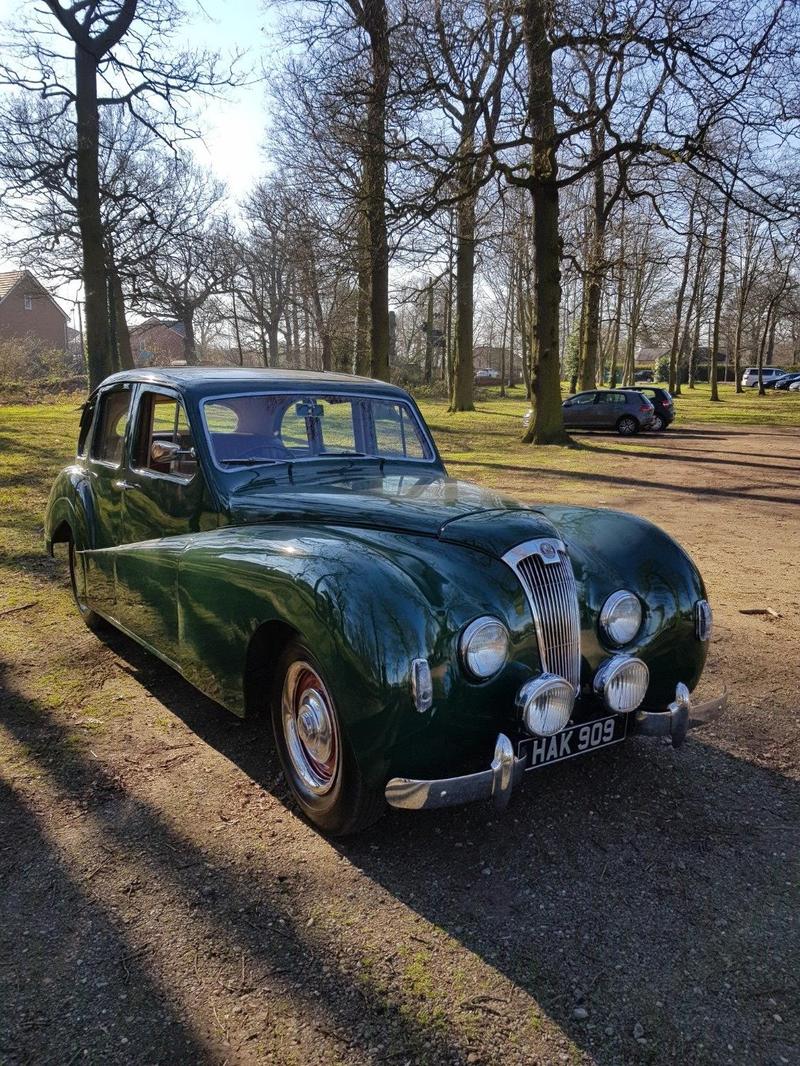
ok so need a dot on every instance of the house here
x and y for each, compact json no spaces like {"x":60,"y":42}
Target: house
{"x":27,"y":309}
{"x":157,"y":340}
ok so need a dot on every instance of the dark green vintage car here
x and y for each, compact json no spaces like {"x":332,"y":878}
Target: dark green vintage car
{"x":290,"y":542}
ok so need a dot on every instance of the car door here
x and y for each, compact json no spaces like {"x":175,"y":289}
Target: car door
{"x":608,"y":408}
{"x":105,"y":469}
{"x":577,"y":410}
{"x":164,"y":498}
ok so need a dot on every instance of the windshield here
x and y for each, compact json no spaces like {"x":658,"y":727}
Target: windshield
{"x":287,"y":427}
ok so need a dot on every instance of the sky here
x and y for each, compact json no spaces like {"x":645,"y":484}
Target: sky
{"x":234,"y":127}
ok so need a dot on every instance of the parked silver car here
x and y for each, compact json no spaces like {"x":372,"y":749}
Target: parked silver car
{"x":769,"y":374}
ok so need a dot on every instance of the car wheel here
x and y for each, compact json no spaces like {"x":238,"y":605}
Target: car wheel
{"x":627,"y":426}
{"x":658,"y":424}
{"x":92,"y":620}
{"x":317,"y":758}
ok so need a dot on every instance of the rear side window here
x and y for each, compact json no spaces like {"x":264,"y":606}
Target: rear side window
{"x":87,"y":417}
{"x":109,"y":436}
{"x":614,"y":397}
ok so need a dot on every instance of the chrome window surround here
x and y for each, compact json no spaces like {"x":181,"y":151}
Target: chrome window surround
{"x":545,"y":572}
{"x":416,"y":417}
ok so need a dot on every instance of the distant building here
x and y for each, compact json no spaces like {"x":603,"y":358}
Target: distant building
{"x":27,"y":309}
{"x":157,"y":340}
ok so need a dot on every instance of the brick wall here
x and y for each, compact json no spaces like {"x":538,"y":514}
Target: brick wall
{"x":159,"y":339}
{"x":43,"y":319}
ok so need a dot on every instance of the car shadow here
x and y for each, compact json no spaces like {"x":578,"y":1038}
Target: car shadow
{"x":649,"y":888}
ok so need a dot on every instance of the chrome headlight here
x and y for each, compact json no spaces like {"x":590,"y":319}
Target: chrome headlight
{"x":703,"y":620}
{"x":483,"y":647}
{"x":620,"y":618}
{"x":546,"y":704}
{"x":622,"y":682}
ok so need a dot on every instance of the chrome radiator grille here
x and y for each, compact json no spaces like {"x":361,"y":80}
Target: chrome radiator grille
{"x":545,"y":571}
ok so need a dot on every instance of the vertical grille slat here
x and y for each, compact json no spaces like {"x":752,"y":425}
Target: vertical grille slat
{"x":544,"y":568}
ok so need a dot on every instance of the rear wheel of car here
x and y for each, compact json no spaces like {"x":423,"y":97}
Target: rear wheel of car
{"x":314,"y":749}
{"x":92,"y":620}
{"x":658,"y":424}
{"x":627,"y":426}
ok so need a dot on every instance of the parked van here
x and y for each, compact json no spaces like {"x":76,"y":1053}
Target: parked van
{"x":768,"y":375}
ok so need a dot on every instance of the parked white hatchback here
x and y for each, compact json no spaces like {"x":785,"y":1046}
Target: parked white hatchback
{"x":769,"y":374}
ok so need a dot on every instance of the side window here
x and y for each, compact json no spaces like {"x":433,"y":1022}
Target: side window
{"x":109,"y":436}
{"x":583,"y":398}
{"x":87,"y":416}
{"x":617,"y":398}
{"x":162,"y":421}
{"x":396,"y":433}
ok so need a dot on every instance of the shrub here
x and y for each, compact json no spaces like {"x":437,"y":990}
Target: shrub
{"x":30,"y":359}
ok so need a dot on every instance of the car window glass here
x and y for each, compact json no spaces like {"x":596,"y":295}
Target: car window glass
{"x":615,"y":397}
{"x":109,"y":436}
{"x":87,"y":415}
{"x":292,"y":426}
{"x":586,"y":397}
{"x":395,"y":433}
{"x":162,"y":419}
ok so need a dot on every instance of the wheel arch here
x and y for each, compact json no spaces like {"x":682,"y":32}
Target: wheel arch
{"x":264,"y":649}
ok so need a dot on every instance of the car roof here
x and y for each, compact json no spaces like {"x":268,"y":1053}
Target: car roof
{"x":201,"y":381}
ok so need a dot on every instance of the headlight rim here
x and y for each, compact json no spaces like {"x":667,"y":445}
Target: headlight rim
{"x":536,"y":687}
{"x":703,"y":621}
{"x":604,"y":623}
{"x":607,"y":673}
{"x":468,"y":633}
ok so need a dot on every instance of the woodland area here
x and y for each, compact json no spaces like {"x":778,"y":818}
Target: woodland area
{"x":554,"y":186}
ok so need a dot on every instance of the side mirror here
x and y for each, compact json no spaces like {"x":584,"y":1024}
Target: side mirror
{"x":166,"y":451}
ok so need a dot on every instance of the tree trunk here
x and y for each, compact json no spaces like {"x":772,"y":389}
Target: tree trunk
{"x":377,"y":29}
{"x":98,"y":326}
{"x":723,"y":261}
{"x":594,"y":279}
{"x":461,"y":394}
{"x":274,"y":342}
{"x":612,"y":376}
{"x":676,"y":333}
{"x":547,"y":421}
{"x":189,"y":347}
{"x":124,"y":352}
{"x":428,"y":371}
{"x":363,"y":363}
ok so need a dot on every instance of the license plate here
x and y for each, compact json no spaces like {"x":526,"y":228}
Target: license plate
{"x":576,"y":740}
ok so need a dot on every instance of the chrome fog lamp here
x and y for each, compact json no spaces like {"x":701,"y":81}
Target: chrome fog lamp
{"x":622,"y":683}
{"x":483,"y":647}
{"x":546,"y":704}
{"x":620,"y":618}
{"x":703,"y":620}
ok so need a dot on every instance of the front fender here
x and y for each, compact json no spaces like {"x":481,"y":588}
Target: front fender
{"x":613,"y":550}
{"x":367,"y":604}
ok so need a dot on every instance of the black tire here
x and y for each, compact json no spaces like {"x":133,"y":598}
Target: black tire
{"x":627,"y":426}
{"x":318,"y":763}
{"x":658,"y":425}
{"x":94,"y":621}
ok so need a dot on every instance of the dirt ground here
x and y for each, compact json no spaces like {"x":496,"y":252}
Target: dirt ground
{"x":161,"y":900}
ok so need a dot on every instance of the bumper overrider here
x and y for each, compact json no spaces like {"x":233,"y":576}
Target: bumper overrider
{"x":507,"y":768}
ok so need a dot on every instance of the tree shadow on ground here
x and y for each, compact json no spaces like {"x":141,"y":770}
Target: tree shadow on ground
{"x":649,"y":887}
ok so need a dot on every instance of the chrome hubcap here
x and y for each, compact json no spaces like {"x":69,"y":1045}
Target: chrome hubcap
{"x":310,"y":730}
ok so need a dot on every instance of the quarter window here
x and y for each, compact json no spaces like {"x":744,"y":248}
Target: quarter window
{"x":395,"y":433}
{"x":109,"y":437}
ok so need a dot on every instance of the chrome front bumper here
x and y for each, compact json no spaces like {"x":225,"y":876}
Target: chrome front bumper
{"x":506,"y":770}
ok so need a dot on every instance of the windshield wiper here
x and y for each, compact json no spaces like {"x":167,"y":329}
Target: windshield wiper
{"x":250,"y":461}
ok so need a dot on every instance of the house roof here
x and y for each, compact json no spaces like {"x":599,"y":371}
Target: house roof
{"x":9,"y":280}
{"x":151,"y":323}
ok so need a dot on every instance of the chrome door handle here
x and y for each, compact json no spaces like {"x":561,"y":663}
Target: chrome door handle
{"x":124,"y":485}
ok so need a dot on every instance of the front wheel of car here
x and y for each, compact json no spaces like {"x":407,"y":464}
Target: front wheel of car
{"x":317,"y":757}
{"x":627,"y":426}
{"x":92,"y":620}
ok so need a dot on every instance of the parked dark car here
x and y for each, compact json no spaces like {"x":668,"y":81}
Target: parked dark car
{"x":644,"y":375}
{"x":290,"y":542}
{"x":663,"y":406}
{"x":624,"y":410}
{"x":786,"y":381}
